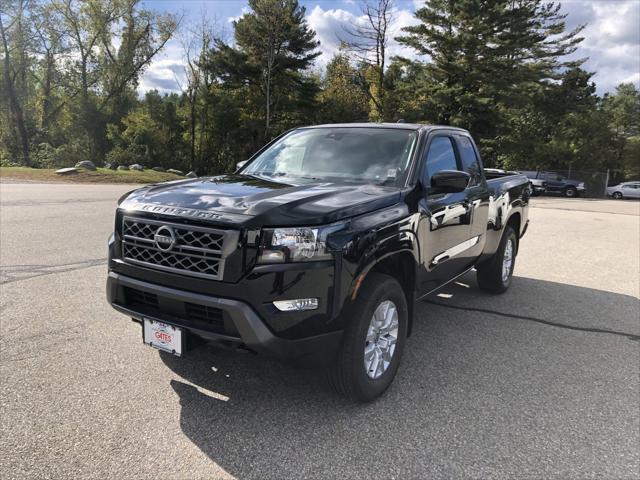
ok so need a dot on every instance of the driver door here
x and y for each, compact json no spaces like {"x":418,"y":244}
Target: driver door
{"x":444,"y":228}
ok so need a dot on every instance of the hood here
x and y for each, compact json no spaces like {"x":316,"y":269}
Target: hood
{"x":258,"y":202}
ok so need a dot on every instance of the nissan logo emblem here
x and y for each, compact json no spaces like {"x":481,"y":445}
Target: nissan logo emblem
{"x":165,"y":238}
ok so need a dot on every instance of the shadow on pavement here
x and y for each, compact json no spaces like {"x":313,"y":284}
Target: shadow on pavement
{"x":479,"y":393}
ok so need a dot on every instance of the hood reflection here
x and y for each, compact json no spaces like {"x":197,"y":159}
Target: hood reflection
{"x":274,"y":202}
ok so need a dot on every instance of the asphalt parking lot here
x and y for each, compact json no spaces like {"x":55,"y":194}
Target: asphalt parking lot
{"x":541,"y":382}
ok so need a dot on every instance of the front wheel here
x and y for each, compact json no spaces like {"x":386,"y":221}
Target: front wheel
{"x":494,"y":275}
{"x":373,"y":341}
{"x":617,"y":195}
{"x":571,"y":192}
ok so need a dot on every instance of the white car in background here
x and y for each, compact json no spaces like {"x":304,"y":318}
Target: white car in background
{"x":624,"y":190}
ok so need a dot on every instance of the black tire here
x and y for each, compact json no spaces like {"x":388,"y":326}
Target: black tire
{"x":347,"y":375}
{"x":570,"y":192}
{"x":617,"y":195}
{"x":489,"y":273}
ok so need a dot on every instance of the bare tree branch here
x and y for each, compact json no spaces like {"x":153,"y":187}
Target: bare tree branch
{"x":366,"y":43}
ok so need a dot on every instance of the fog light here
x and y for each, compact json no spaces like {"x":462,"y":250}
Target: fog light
{"x":296,"y":305}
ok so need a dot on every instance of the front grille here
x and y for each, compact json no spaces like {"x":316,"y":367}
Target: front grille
{"x":196,"y":251}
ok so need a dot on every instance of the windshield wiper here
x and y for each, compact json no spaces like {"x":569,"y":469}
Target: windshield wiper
{"x":284,"y":174}
{"x":389,"y":181}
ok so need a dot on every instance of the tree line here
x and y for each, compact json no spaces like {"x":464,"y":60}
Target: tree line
{"x":503,"y":69}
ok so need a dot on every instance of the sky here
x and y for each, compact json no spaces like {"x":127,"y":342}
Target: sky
{"x":611,"y":37}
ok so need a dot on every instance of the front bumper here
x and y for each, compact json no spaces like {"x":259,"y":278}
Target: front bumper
{"x":215,"y":319}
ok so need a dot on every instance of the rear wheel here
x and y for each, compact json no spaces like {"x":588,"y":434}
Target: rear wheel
{"x":570,"y":192}
{"x":373,"y":341}
{"x":617,"y":195}
{"x":494,"y":275}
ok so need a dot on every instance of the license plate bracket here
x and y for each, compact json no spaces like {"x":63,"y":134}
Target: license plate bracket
{"x":163,"y":336}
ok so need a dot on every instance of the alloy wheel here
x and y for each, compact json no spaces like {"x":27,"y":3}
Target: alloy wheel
{"x":382,"y":337}
{"x":507,"y":261}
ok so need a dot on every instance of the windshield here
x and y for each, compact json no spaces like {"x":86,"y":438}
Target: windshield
{"x":368,"y":155}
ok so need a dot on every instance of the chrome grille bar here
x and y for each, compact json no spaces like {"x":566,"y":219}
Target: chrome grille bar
{"x":196,"y":251}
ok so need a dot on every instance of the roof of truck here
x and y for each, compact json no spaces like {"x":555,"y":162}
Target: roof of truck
{"x":400,"y":126}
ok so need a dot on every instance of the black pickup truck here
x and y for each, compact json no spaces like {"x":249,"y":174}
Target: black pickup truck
{"x":317,"y":248}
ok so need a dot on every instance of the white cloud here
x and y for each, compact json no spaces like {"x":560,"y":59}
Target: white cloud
{"x":612,"y":40}
{"x":166,"y":73}
{"x":334,"y":25}
{"x":244,"y":10}
{"x":329,"y":28}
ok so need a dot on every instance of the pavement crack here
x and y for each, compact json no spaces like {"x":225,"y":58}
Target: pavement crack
{"x":630,"y":336}
{"x":17,"y":273}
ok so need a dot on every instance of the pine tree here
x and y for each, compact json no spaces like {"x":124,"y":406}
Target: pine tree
{"x":274,"y":47}
{"x":484,"y":57}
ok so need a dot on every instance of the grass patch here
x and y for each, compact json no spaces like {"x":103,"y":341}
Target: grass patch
{"x":102,"y":175}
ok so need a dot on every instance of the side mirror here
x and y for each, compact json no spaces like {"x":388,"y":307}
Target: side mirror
{"x":241,"y":164}
{"x":449,"y":181}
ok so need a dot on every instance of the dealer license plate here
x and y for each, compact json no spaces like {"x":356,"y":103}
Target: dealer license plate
{"x":163,"y":336}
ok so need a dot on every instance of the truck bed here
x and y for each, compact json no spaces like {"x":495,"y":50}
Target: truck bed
{"x":500,"y":183}
{"x":509,"y":191}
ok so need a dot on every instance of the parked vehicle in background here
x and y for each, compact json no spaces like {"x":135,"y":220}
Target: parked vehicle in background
{"x":538,"y":185}
{"x":491,"y":173}
{"x":317,"y":248}
{"x":624,"y":190}
{"x":556,"y":183}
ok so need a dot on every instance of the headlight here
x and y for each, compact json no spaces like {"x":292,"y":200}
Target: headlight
{"x":297,"y":244}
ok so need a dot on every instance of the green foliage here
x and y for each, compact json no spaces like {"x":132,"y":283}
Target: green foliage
{"x":630,"y":159}
{"x":341,"y":98}
{"x":45,"y":156}
{"x":6,"y":161}
{"x":70,"y":70}
{"x":273,"y":48}
{"x":622,"y":110}
{"x":484,"y":59}
{"x":150,"y":134}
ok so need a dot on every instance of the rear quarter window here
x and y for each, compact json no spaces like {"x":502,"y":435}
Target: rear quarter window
{"x":469,"y":158}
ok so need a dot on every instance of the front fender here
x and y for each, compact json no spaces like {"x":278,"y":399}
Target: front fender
{"x":375,"y":238}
